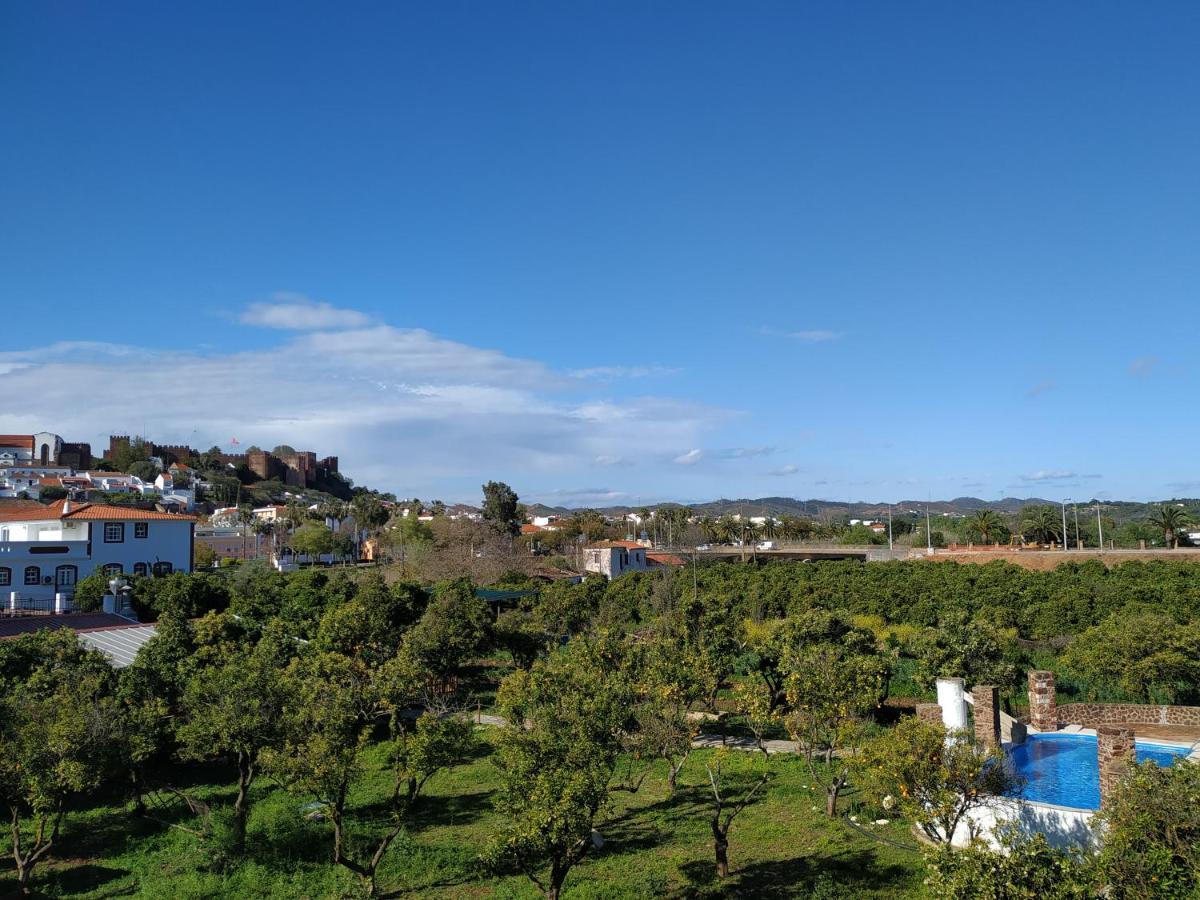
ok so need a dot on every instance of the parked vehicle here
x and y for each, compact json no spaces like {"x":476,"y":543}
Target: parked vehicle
{"x":767,"y":545}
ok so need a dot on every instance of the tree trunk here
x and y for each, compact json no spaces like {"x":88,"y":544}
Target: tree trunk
{"x":834,"y":791}
{"x":671,"y":773}
{"x":558,"y":874}
{"x":831,"y":799}
{"x":245,"y":779}
{"x":720,"y":848}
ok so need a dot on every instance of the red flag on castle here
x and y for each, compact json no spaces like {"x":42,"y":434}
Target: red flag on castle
{"x":233,"y":442}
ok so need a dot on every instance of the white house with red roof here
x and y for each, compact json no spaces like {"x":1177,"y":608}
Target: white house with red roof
{"x":46,"y":550}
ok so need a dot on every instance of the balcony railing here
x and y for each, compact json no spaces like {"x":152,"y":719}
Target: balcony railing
{"x":47,"y":550}
{"x":19,"y":606}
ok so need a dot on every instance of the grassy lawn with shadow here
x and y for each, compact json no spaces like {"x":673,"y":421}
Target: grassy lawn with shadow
{"x":656,"y":845}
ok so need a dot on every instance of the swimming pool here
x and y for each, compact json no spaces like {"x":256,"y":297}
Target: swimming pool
{"x":1062,"y":768}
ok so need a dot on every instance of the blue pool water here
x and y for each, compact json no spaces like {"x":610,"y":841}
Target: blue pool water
{"x":1062,"y":768}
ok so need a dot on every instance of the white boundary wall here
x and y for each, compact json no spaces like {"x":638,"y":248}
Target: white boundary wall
{"x":1063,"y":826}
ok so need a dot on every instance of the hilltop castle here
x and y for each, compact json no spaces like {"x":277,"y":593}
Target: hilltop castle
{"x":295,"y":468}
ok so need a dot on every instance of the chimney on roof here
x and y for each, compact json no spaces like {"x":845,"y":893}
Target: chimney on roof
{"x":66,"y":507}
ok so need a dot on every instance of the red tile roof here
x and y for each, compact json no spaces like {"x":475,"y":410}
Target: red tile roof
{"x":665,"y":559}
{"x":13,"y":504}
{"x":88,"y":511}
{"x":10,"y":628}
{"x":628,"y":545}
{"x":17,"y":440}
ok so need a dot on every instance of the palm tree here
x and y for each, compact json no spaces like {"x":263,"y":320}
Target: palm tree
{"x":770,"y":528}
{"x":263,"y":528}
{"x":1041,"y":523}
{"x":679,"y":516}
{"x":986,"y":523}
{"x":795,"y":528}
{"x":245,"y":515}
{"x":727,"y":529}
{"x":1171,"y":519}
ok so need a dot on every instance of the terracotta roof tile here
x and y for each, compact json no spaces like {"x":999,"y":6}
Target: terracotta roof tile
{"x":88,"y":511}
{"x":84,"y":622}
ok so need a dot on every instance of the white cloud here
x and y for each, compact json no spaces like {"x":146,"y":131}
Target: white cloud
{"x":807,"y":336}
{"x":606,"y":459}
{"x":295,"y":312}
{"x":1049,"y":475}
{"x":579,"y":495}
{"x":788,"y":469}
{"x":1144,"y":366}
{"x":690,"y":458}
{"x":398,"y":406}
{"x":745,"y":452}
{"x":608,"y":373}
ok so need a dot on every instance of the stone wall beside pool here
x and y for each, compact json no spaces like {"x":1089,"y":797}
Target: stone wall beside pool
{"x":1092,"y":714}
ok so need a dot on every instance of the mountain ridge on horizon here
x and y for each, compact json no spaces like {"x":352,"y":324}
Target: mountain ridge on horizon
{"x":812,"y":508}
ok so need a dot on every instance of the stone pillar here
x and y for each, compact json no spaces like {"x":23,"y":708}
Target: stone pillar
{"x":930,"y":713}
{"x":1043,"y":703}
{"x":987,"y":715}
{"x":952,"y":697}
{"x":1114,"y":754}
{"x":60,"y":603}
{"x":12,"y":601}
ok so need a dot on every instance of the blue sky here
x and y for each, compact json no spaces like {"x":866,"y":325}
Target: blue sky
{"x":611,"y":252}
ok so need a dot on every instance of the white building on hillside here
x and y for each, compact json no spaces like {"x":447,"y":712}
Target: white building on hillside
{"x":614,"y":558}
{"x":115,"y":482}
{"x":46,"y":551}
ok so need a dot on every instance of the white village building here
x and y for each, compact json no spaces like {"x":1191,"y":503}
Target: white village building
{"x":614,"y":558}
{"x":44,"y":552}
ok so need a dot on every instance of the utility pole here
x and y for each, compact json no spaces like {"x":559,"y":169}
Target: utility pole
{"x":1064,"y":534}
{"x":695,"y":583}
{"x":1100,"y":527}
{"x":1078,"y":539}
{"x":928,"y":533}
{"x":889,"y":526}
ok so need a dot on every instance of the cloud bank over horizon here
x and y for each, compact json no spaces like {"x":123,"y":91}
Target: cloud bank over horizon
{"x":404,"y":409}
{"x":410,"y":411}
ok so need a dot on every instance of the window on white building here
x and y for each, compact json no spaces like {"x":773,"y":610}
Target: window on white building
{"x":114,"y":532}
{"x":140,"y":568}
{"x":141,"y":529}
{"x":33,"y":575}
{"x":163,"y":568}
{"x":113,"y":569}
{"x":5,"y":576}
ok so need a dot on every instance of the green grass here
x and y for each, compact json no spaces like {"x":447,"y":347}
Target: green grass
{"x":656,"y":846}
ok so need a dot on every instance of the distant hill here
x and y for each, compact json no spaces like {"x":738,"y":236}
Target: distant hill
{"x":1120,"y":510}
